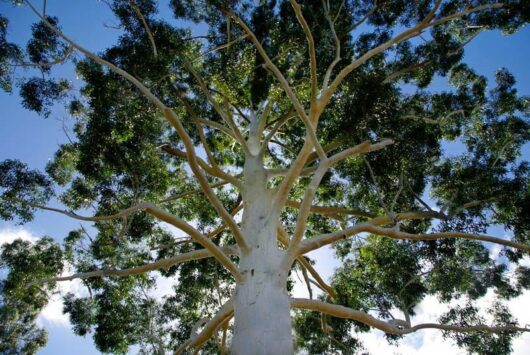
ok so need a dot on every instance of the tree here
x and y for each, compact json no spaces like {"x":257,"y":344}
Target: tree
{"x":283,"y":130}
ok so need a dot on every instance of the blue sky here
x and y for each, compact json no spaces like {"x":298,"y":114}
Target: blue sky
{"x":32,"y":139}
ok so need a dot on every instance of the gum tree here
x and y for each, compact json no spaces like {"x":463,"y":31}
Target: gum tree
{"x":283,"y":129}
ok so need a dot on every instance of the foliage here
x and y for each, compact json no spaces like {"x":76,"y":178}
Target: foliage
{"x":124,"y":152}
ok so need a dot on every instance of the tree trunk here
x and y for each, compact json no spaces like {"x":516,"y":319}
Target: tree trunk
{"x":262,"y":318}
{"x":262,"y":310}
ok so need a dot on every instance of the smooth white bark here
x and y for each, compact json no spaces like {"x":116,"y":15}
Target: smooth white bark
{"x":262,"y":320}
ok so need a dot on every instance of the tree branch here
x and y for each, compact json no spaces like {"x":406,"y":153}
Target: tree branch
{"x":399,"y":328}
{"x":227,"y":131}
{"x":215,"y":167}
{"x":123,"y":213}
{"x":191,"y":192}
{"x":160,"y":264}
{"x":413,"y":32}
{"x":278,"y":124}
{"x":311,"y":47}
{"x":283,"y":238}
{"x":146,"y":27}
{"x":337,"y":58}
{"x":361,"y":21}
{"x":224,"y":115}
{"x":371,"y":227}
{"x":282,"y":172}
{"x":417,"y":66}
{"x":327,"y":148}
{"x":192,"y":158}
{"x":162,"y":215}
{"x":308,"y":122}
{"x":56,"y":61}
{"x":172,"y":119}
{"x":305,"y":207}
{"x":218,"y":48}
{"x":197,"y":340}
{"x":326,"y":211}
{"x":197,"y":236}
{"x":217,"y":172}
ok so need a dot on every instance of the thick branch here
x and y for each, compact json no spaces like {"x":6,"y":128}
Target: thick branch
{"x":387,"y":327}
{"x":370,"y":227}
{"x":172,"y":119}
{"x":301,"y":223}
{"x":160,"y":264}
{"x":292,"y":174}
{"x":283,"y":238}
{"x":327,"y":148}
{"x":197,"y":236}
{"x":343,"y":312}
{"x":192,"y":158}
{"x":197,"y":340}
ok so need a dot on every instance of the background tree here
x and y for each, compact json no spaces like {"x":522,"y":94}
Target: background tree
{"x":282,"y":130}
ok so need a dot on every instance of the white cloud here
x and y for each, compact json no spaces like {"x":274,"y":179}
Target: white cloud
{"x":8,"y":235}
{"x":429,"y":342}
{"x":429,"y":310}
{"x":432,"y":342}
{"x":164,"y":286}
{"x":525,"y":261}
{"x":52,"y":314}
{"x":495,"y":250}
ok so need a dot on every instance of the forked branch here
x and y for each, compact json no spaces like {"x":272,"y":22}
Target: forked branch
{"x":370,"y":227}
{"x":308,"y":121}
{"x":408,"y":34}
{"x":197,"y":236}
{"x":395,"y":328}
{"x":283,"y":238}
{"x":305,"y":207}
{"x":196,"y":340}
{"x":213,"y":171}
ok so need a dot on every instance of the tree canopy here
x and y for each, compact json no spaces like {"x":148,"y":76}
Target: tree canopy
{"x":170,"y":127}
